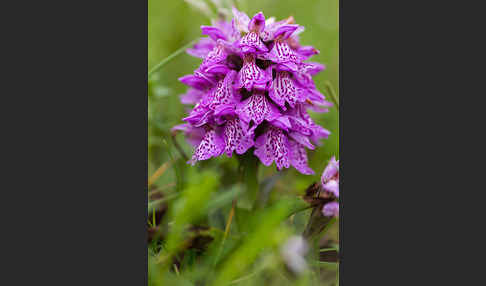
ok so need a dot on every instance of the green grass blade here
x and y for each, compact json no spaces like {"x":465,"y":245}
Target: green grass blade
{"x":171,"y":57}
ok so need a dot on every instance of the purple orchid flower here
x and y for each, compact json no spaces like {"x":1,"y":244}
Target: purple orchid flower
{"x":330,"y":177}
{"x":331,"y":209}
{"x":252,"y":91}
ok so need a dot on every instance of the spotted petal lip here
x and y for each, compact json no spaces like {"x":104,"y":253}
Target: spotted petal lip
{"x":273,"y":146}
{"x":212,"y":145}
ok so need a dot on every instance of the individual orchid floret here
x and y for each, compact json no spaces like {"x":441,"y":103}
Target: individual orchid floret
{"x":281,"y":53}
{"x":257,"y":108}
{"x":217,"y":56}
{"x":331,"y":209}
{"x":212,"y":145}
{"x":223,"y":99}
{"x":284,"y":90}
{"x":251,"y":42}
{"x":330,"y":177}
{"x":237,"y":137}
{"x":251,"y":76}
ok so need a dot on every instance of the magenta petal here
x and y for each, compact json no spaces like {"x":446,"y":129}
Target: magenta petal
{"x":199,"y":115}
{"x":282,"y":122}
{"x":216,"y":57}
{"x":284,"y":90}
{"x":224,"y":93}
{"x":298,"y":158}
{"x":257,"y":108}
{"x":217,"y":69}
{"x":257,"y":23}
{"x":195,"y":81}
{"x":301,"y":139}
{"x":300,"y":125}
{"x":213,"y":32}
{"x":331,"y":209}
{"x":318,"y":132}
{"x":282,"y":53}
{"x":192,"y":96}
{"x":285,"y":31}
{"x":330,"y":171}
{"x":273,"y":146}
{"x":212,"y":145}
{"x":332,"y":186}
{"x":193,"y":135}
{"x":307,"y":51}
{"x":236,"y":137}
{"x":251,"y":43}
{"x":251,"y":75}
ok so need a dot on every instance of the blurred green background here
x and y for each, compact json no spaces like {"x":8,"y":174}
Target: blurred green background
{"x":174,"y":23}
{"x":171,"y":25}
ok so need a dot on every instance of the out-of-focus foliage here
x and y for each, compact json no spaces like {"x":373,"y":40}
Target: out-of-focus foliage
{"x":193,"y":203}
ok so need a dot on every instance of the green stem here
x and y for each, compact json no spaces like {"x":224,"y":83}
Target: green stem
{"x":170,"y":57}
{"x":332,"y":93}
{"x":249,"y":168}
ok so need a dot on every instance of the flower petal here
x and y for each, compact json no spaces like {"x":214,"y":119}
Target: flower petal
{"x":257,"y":108}
{"x":298,"y":158}
{"x":271,"y":146}
{"x":283,"y":90}
{"x":223,"y":93}
{"x":199,"y":116}
{"x":282,"y":122}
{"x":330,"y":171}
{"x":195,"y":81}
{"x":251,"y":76}
{"x":236,"y":138}
{"x":307,"y":51}
{"x":285,"y":31}
{"x":301,"y":139}
{"x":251,"y":43}
{"x":257,"y":23}
{"x":282,"y":53}
{"x":333,"y":187}
{"x":213,"y":32}
{"x":192,"y":96}
{"x":212,"y":145}
{"x":193,"y":135}
{"x":331,"y":209}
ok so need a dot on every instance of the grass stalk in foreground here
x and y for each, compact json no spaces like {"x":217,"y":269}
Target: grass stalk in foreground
{"x":171,"y":57}
{"x":331,"y":92}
